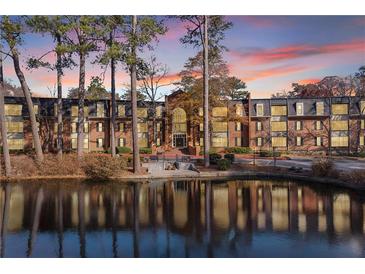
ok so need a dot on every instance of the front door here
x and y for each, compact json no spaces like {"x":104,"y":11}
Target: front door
{"x":179,"y":140}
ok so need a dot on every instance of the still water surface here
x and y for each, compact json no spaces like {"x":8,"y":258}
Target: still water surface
{"x":180,"y":219}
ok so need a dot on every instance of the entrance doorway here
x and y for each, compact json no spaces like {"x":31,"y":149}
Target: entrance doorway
{"x":179,"y":140}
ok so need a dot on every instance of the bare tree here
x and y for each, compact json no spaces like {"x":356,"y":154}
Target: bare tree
{"x":153,"y":75}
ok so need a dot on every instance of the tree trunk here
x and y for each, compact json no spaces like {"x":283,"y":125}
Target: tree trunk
{"x":59,"y":102}
{"x":4,"y":131}
{"x":112,"y":124}
{"x":80,"y":122}
{"x":206,"y":94}
{"x":26,"y":91}
{"x":35,"y":224}
{"x":136,"y":160}
{"x":4,"y":219}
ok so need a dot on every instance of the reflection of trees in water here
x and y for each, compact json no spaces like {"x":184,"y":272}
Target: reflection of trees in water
{"x":225,"y":215}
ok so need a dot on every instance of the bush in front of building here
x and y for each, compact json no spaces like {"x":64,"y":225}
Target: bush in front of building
{"x":323,"y":167}
{"x":269,"y":153}
{"x":124,"y":150}
{"x":229,"y":156}
{"x":214,"y":157}
{"x":224,"y":164}
{"x":103,"y":166}
{"x":145,"y":150}
{"x":239,"y":150}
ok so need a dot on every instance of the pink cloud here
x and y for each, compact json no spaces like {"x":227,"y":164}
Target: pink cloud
{"x":252,"y":75}
{"x":266,"y":56}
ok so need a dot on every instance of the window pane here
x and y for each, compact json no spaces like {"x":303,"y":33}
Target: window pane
{"x":318,"y":125}
{"x":121,"y":110}
{"x":141,"y":112}
{"x":260,"y":110}
{"x":16,"y":144}
{"x":339,"y":125}
{"x":74,"y":111}
{"x":299,"y":141}
{"x":362,"y":107}
{"x":278,"y":141}
{"x":86,"y":143}
{"x":14,"y":127}
{"x":259,"y":126}
{"x":219,"y":112}
{"x":339,"y":109}
{"x":239,"y":110}
{"x":339,"y":141}
{"x":179,"y":127}
{"x":158,"y":111}
{"x":278,"y":110}
{"x":278,"y":126}
{"x":298,"y":125}
{"x":319,"y":108}
{"x":219,"y":126}
{"x":142,"y":127}
{"x":362,"y":126}
{"x":362,"y":139}
{"x":13,"y":110}
{"x":318,"y":141}
{"x":300,"y":109}
{"x":259,"y":142}
{"x":238,"y":126}
{"x":100,"y":110}
{"x":74,"y":143}
{"x":219,"y":139}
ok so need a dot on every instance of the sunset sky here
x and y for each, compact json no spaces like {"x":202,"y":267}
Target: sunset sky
{"x":267,"y":52}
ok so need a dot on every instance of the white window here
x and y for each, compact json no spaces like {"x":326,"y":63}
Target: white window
{"x":121,"y":127}
{"x":121,"y":142}
{"x":158,"y":142}
{"x":239,"y":110}
{"x":259,"y":142}
{"x":362,"y":107}
{"x":237,"y":141}
{"x":201,"y":127}
{"x":300,"y":108}
{"x":121,"y":110}
{"x":201,"y":112}
{"x":99,"y":142}
{"x":299,"y":141}
{"x":259,"y":110}
{"x":73,"y":143}
{"x":159,"y":111}
{"x":100,"y":110}
{"x":319,"y":108}
{"x":36,"y":109}
{"x":318,"y":125}
{"x":238,"y":126}
{"x":258,"y":126}
{"x":99,"y":127}
{"x":318,"y":141}
{"x":298,"y":125}
{"x":362,"y":126}
{"x":86,"y":127}
{"x":158,"y":127}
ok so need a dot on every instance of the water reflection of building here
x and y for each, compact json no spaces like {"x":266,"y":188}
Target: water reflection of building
{"x":241,"y":208}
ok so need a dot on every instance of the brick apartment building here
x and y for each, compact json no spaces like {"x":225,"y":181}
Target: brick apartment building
{"x":320,"y":124}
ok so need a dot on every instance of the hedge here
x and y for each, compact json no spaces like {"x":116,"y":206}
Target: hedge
{"x":239,"y":150}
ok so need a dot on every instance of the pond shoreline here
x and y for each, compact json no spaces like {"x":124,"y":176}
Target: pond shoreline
{"x":218,"y":175}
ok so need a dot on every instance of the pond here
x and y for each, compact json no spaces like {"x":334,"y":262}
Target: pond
{"x":180,"y":219}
